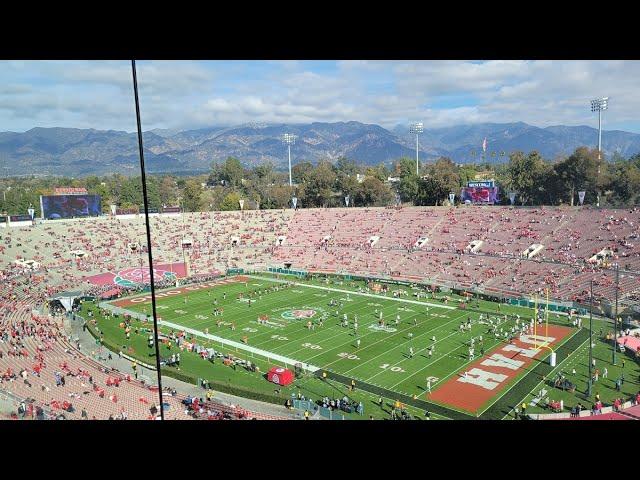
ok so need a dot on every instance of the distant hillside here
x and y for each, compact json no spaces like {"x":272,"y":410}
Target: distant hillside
{"x":78,"y":152}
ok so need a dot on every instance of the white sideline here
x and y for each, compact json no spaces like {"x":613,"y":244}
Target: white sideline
{"x":372,"y":295}
{"x":241,"y":346}
{"x":286,"y":360}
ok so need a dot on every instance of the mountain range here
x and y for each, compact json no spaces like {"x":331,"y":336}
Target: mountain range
{"x":79,"y":152}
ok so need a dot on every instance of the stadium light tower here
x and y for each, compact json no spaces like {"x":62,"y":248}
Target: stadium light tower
{"x":599,"y":105}
{"x":417,"y":128}
{"x":289,"y":139}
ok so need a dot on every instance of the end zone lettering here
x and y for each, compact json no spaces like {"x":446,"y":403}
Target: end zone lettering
{"x":485,"y":378}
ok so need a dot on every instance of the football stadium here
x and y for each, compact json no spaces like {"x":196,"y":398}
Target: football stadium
{"x":469,"y":299}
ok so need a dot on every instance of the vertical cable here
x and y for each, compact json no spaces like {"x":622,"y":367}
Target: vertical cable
{"x":148,"y":227}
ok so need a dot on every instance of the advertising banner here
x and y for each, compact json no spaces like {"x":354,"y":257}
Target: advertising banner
{"x":127,"y":211}
{"x":70,"y":191}
{"x":166,"y":209}
{"x":480,"y":184}
{"x":20,"y":218}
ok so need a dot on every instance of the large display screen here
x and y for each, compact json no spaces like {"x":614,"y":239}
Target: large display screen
{"x":127,"y":211}
{"x":480,"y":194}
{"x":70,"y":206}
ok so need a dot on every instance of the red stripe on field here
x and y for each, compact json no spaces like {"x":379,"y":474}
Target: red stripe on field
{"x":471,"y":397}
{"x":141,"y":300}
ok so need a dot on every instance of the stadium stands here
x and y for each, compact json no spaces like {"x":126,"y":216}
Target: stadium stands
{"x":329,"y":240}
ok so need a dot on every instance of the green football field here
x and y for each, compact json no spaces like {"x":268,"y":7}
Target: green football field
{"x":381,"y":364}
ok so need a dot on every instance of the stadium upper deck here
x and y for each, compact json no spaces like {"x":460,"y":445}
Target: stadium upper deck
{"x":378,"y":241}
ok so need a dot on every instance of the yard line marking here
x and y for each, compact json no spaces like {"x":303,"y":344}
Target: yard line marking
{"x":417,"y":351}
{"x":399,"y":345}
{"x":449,"y":354}
{"x":241,"y":346}
{"x":371,"y":295}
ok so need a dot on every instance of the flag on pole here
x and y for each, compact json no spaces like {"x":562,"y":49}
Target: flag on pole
{"x":484,"y":144}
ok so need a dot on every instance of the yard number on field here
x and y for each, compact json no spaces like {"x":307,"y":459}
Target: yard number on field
{"x":279,"y":337}
{"x":350,"y":356}
{"x":249,"y":329}
{"x":312,"y":346}
{"x":386,"y":366}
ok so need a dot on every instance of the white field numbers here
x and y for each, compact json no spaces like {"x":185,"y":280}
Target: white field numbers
{"x":279,"y":337}
{"x":312,"y":346}
{"x":249,"y":329}
{"x":387,"y":366}
{"x":349,"y":356}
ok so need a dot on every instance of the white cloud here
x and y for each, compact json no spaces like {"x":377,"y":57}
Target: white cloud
{"x":189,"y":94}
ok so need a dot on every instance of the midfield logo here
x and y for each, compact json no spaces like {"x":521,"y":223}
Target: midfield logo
{"x":302,"y":313}
{"x":298,"y":314}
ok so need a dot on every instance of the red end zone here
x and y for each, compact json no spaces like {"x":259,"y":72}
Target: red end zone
{"x":136,"y":274}
{"x":127,"y":302}
{"x":491,"y":374}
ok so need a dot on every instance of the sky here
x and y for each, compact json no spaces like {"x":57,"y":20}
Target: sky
{"x":197,"y":94}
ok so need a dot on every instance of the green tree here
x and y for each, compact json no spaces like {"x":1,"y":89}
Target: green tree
{"x":192,"y":196}
{"x":625,"y":184}
{"x":167,"y":191}
{"x":232,"y":172}
{"x":525,"y":175}
{"x":381,"y":172}
{"x":446,"y":178}
{"x":346,"y":167}
{"x":373,"y":192}
{"x":408,"y":188}
{"x":301,"y":172}
{"x":319,"y":188}
{"x":231,"y":202}
{"x":577,"y":172}
{"x":405,"y":167}
{"x":347,"y":184}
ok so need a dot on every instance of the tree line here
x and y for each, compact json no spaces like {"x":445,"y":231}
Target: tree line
{"x":536,"y":180}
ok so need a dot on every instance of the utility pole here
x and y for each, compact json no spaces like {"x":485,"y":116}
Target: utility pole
{"x":417,"y":128}
{"x":288,"y":139}
{"x":598,"y":105}
{"x":615,"y":319}
{"x":590,"y":340}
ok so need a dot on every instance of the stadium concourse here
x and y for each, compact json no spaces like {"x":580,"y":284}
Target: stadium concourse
{"x":466,"y":247}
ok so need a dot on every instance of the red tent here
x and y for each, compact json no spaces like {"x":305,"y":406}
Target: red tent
{"x":281,"y":376}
